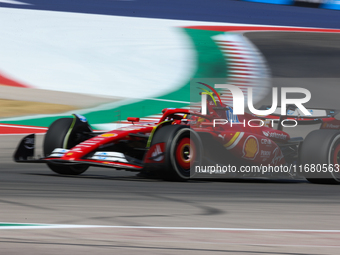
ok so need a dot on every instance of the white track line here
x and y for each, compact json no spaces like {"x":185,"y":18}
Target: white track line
{"x":23,"y":134}
{"x":47,"y":226}
{"x":28,"y":127}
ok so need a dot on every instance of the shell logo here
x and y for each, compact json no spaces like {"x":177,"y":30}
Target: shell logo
{"x":250,"y":147}
{"x":108,"y":135}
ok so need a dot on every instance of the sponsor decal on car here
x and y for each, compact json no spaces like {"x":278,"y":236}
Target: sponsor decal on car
{"x":58,"y":153}
{"x":108,"y":135}
{"x":222,"y":136}
{"x":330,"y":126}
{"x":157,"y":154}
{"x":278,"y":156}
{"x":265,"y":153}
{"x":109,"y":156}
{"x":266,"y":141}
{"x":275,"y":135}
{"x":250,"y":147}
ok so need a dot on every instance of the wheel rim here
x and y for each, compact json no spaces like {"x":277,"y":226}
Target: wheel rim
{"x":336,"y":154}
{"x":336,"y":161}
{"x":185,"y":153}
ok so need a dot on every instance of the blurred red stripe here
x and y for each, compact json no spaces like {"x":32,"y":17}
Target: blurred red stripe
{"x":9,"y":82}
{"x":18,"y":129}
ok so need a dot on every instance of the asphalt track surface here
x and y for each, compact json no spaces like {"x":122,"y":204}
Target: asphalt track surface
{"x":258,"y":209}
{"x":33,"y":194}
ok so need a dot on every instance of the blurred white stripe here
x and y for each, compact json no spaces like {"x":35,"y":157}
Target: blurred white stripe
{"x":13,"y":2}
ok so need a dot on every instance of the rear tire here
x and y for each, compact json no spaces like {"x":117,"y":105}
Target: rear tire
{"x":321,"y":148}
{"x":55,"y":138}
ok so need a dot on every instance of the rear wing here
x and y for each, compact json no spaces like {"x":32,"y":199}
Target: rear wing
{"x":294,"y":112}
{"x":318,"y":116}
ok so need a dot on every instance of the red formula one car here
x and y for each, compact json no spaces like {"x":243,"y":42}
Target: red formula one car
{"x":183,"y":143}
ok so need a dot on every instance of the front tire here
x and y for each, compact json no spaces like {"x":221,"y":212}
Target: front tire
{"x":183,"y":151}
{"x":321,"y":148}
{"x":59,"y":136}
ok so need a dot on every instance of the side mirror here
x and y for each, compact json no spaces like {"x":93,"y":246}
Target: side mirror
{"x":132,"y":119}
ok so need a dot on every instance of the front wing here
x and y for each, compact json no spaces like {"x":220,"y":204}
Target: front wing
{"x":25,"y":154}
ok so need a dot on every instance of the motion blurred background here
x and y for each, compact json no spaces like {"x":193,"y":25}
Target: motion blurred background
{"x":109,"y":60}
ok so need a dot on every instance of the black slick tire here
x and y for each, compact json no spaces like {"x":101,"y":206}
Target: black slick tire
{"x":320,"y":156}
{"x":55,"y":138}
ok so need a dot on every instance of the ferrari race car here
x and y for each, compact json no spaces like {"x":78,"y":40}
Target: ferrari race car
{"x":184,"y":142}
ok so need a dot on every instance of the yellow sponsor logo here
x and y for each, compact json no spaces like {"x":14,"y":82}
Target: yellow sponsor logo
{"x":108,"y":135}
{"x":250,"y":148}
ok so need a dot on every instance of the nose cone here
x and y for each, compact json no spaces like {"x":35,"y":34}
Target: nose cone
{"x":72,"y":155}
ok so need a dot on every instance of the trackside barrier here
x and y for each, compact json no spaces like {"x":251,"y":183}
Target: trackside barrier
{"x":324,"y":4}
